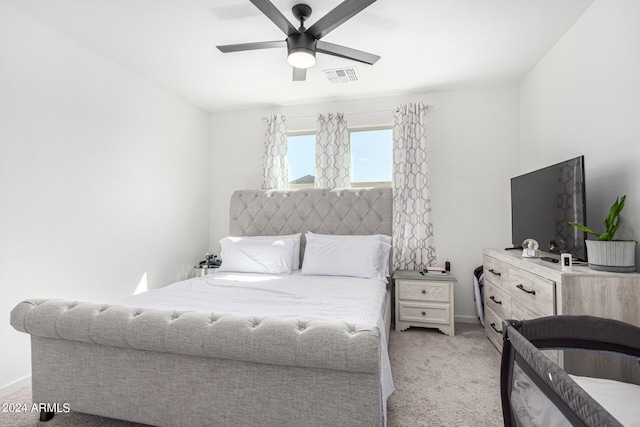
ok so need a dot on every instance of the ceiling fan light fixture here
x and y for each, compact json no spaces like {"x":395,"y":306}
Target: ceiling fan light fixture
{"x":301,"y":58}
{"x":302,"y":50}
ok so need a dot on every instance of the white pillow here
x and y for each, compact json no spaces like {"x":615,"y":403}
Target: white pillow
{"x":344,"y":257}
{"x":381,"y":237}
{"x":295,"y":264}
{"x":256,"y":256}
{"x":384,"y":254}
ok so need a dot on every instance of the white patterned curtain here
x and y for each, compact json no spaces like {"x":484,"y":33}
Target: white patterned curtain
{"x":332,"y":152}
{"x":275,"y":171}
{"x":413,"y":243}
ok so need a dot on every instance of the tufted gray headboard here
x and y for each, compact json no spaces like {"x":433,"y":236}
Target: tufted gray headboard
{"x":342,"y":211}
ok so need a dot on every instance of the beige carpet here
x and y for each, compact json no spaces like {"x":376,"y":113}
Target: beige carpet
{"x":440,"y":381}
{"x":444,"y":381}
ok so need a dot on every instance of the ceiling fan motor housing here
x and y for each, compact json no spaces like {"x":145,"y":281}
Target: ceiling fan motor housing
{"x":301,"y":43}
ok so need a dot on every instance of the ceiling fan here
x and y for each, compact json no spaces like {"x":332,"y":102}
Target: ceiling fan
{"x":303,"y":43}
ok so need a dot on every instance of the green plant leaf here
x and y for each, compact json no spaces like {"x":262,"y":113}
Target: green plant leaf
{"x":615,"y":228}
{"x":585,"y":229}
{"x":611,"y":222}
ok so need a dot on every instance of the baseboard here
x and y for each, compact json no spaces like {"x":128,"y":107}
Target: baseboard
{"x":10,"y":388}
{"x":467,"y":319}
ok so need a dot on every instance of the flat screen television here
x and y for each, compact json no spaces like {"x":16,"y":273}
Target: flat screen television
{"x":543,"y":202}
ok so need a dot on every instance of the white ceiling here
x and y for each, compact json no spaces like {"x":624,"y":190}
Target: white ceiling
{"x":424,"y":45}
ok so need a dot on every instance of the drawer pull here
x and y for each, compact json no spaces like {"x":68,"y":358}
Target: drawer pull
{"x":424,"y":291}
{"x":497,"y":273}
{"x":521,"y":287}
{"x":424,"y":313}
{"x":492,"y":298}
{"x":493,"y":325}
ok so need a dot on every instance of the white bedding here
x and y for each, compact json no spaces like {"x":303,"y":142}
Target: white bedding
{"x":533,"y":409}
{"x":622,"y":400}
{"x":328,"y":298}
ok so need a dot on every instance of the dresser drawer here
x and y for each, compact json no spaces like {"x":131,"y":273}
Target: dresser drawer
{"x":497,"y":300}
{"x":532,"y":291}
{"x":523,"y":312}
{"x":423,"y":290}
{"x":495,"y":272}
{"x":425,"y":312}
{"x":493,"y":328}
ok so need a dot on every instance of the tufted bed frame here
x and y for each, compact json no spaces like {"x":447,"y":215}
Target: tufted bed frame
{"x":173,"y":368}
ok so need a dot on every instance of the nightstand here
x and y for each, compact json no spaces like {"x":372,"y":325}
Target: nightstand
{"x":424,"y":301}
{"x":199,"y":271}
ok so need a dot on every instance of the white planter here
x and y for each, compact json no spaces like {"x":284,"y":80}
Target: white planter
{"x":617,"y":256}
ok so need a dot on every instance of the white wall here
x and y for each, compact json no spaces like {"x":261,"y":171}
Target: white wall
{"x":473,"y":145}
{"x":103,"y":179}
{"x":583,"y":97}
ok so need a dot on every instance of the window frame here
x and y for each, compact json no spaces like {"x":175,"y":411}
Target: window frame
{"x":359,"y":184}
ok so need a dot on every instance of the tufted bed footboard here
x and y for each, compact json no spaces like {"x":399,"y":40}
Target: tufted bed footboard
{"x":172,"y":368}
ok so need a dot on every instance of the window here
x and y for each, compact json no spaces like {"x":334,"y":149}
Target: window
{"x":371,"y":157}
{"x":301,"y":159}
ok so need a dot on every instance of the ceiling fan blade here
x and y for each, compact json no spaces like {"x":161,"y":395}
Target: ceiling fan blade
{"x":341,"y":13}
{"x":346,"y":52}
{"x":251,"y":46}
{"x":275,"y":16}
{"x":299,"y":74}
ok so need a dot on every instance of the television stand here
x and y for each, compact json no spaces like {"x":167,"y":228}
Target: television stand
{"x":579,"y":291}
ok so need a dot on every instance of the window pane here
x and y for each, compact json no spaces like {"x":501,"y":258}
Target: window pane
{"x":301,"y":157}
{"x":371,"y":155}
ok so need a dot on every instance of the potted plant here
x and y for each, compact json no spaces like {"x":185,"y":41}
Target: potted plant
{"x":605,"y":253}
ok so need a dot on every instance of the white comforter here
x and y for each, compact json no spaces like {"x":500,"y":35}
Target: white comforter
{"x":329,"y":298}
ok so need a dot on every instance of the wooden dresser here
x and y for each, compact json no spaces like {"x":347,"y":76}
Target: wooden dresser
{"x":525,"y":288}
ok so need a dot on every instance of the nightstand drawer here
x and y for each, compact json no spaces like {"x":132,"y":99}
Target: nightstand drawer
{"x":424,"y":312}
{"x":423,"y":290}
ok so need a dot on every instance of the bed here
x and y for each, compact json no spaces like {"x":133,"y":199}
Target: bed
{"x":536,"y":391}
{"x":231,"y":356}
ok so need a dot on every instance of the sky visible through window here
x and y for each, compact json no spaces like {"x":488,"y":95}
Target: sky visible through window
{"x":301,"y":155}
{"x":371,"y":155}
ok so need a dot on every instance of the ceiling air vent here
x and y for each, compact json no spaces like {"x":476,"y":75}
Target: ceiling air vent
{"x":342,"y":75}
